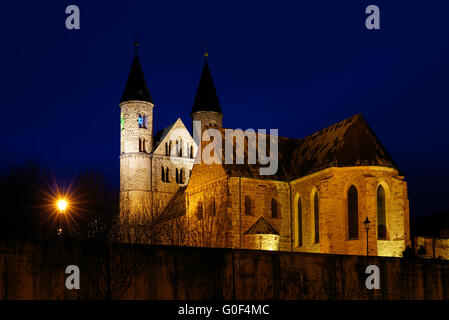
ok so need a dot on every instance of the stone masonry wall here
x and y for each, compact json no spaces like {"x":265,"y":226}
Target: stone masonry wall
{"x":332,"y":186}
{"x":38,"y":272}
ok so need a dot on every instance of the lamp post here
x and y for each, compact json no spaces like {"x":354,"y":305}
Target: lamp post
{"x":62,"y":205}
{"x":367,"y":227}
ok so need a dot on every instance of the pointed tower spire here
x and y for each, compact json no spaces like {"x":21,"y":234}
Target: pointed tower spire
{"x":206,"y":98}
{"x":136,"y":86}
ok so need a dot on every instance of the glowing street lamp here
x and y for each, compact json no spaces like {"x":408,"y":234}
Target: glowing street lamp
{"x":367,"y":227}
{"x":62,"y":206}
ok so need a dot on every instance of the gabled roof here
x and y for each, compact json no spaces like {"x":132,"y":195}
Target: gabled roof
{"x":162,"y":134}
{"x":136,"y":86}
{"x":348,"y":143}
{"x":261,"y":227}
{"x":206,"y":98}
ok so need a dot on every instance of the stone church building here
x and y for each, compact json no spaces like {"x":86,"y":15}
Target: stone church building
{"x":327,"y":185}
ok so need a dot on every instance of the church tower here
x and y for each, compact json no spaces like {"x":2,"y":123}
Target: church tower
{"x":206,"y":107}
{"x":136,"y":140}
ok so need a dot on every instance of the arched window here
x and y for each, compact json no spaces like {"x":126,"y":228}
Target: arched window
{"x":145,"y":122}
{"x":299,"y":222}
{"x":381,"y":214}
{"x":274,"y":208}
{"x":169,"y":148}
{"x":166,"y":149}
{"x":316,"y":214}
{"x":167,"y":176}
{"x":140,"y":145}
{"x":143,"y":145}
{"x":191,"y":152}
{"x":199,"y":210}
{"x":177,"y":177}
{"x":353,"y":213}
{"x":180,"y":148}
{"x":248,"y":210}
{"x":163,"y":174}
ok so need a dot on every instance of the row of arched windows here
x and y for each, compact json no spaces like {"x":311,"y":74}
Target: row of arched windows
{"x":179,"y":175}
{"x":274,"y":207}
{"x":178,"y":149}
{"x":352,"y":215}
{"x":211,"y":208}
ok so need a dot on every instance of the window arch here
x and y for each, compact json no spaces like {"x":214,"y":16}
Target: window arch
{"x":353,"y":213}
{"x":274,"y":208}
{"x":248,"y":209}
{"x":199,"y":210}
{"x":381,"y":214}
{"x":316,"y":215}
{"x":299,"y":222}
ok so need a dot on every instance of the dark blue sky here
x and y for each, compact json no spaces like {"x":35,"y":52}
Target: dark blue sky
{"x":298,"y":66}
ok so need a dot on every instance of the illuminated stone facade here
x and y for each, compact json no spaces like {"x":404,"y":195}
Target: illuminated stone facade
{"x":326,"y":185}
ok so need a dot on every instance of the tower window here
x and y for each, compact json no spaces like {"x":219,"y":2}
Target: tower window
{"x":274,"y":208}
{"x":248,"y":209}
{"x":381,"y":214}
{"x":142,"y":145}
{"x":140,"y":121}
{"x":191,"y":152}
{"x":177,"y":177}
{"x":163,"y":174}
{"x":143,"y":121}
{"x":166,"y":149}
{"x":353,"y":213}
{"x":167,"y":176}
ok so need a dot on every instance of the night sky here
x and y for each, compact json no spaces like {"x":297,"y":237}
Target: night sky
{"x":297,"y":66}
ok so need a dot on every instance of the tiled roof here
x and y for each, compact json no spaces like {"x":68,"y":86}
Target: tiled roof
{"x":348,"y":143}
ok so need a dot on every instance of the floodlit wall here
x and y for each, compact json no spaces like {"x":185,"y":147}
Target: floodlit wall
{"x":37,"y":272}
